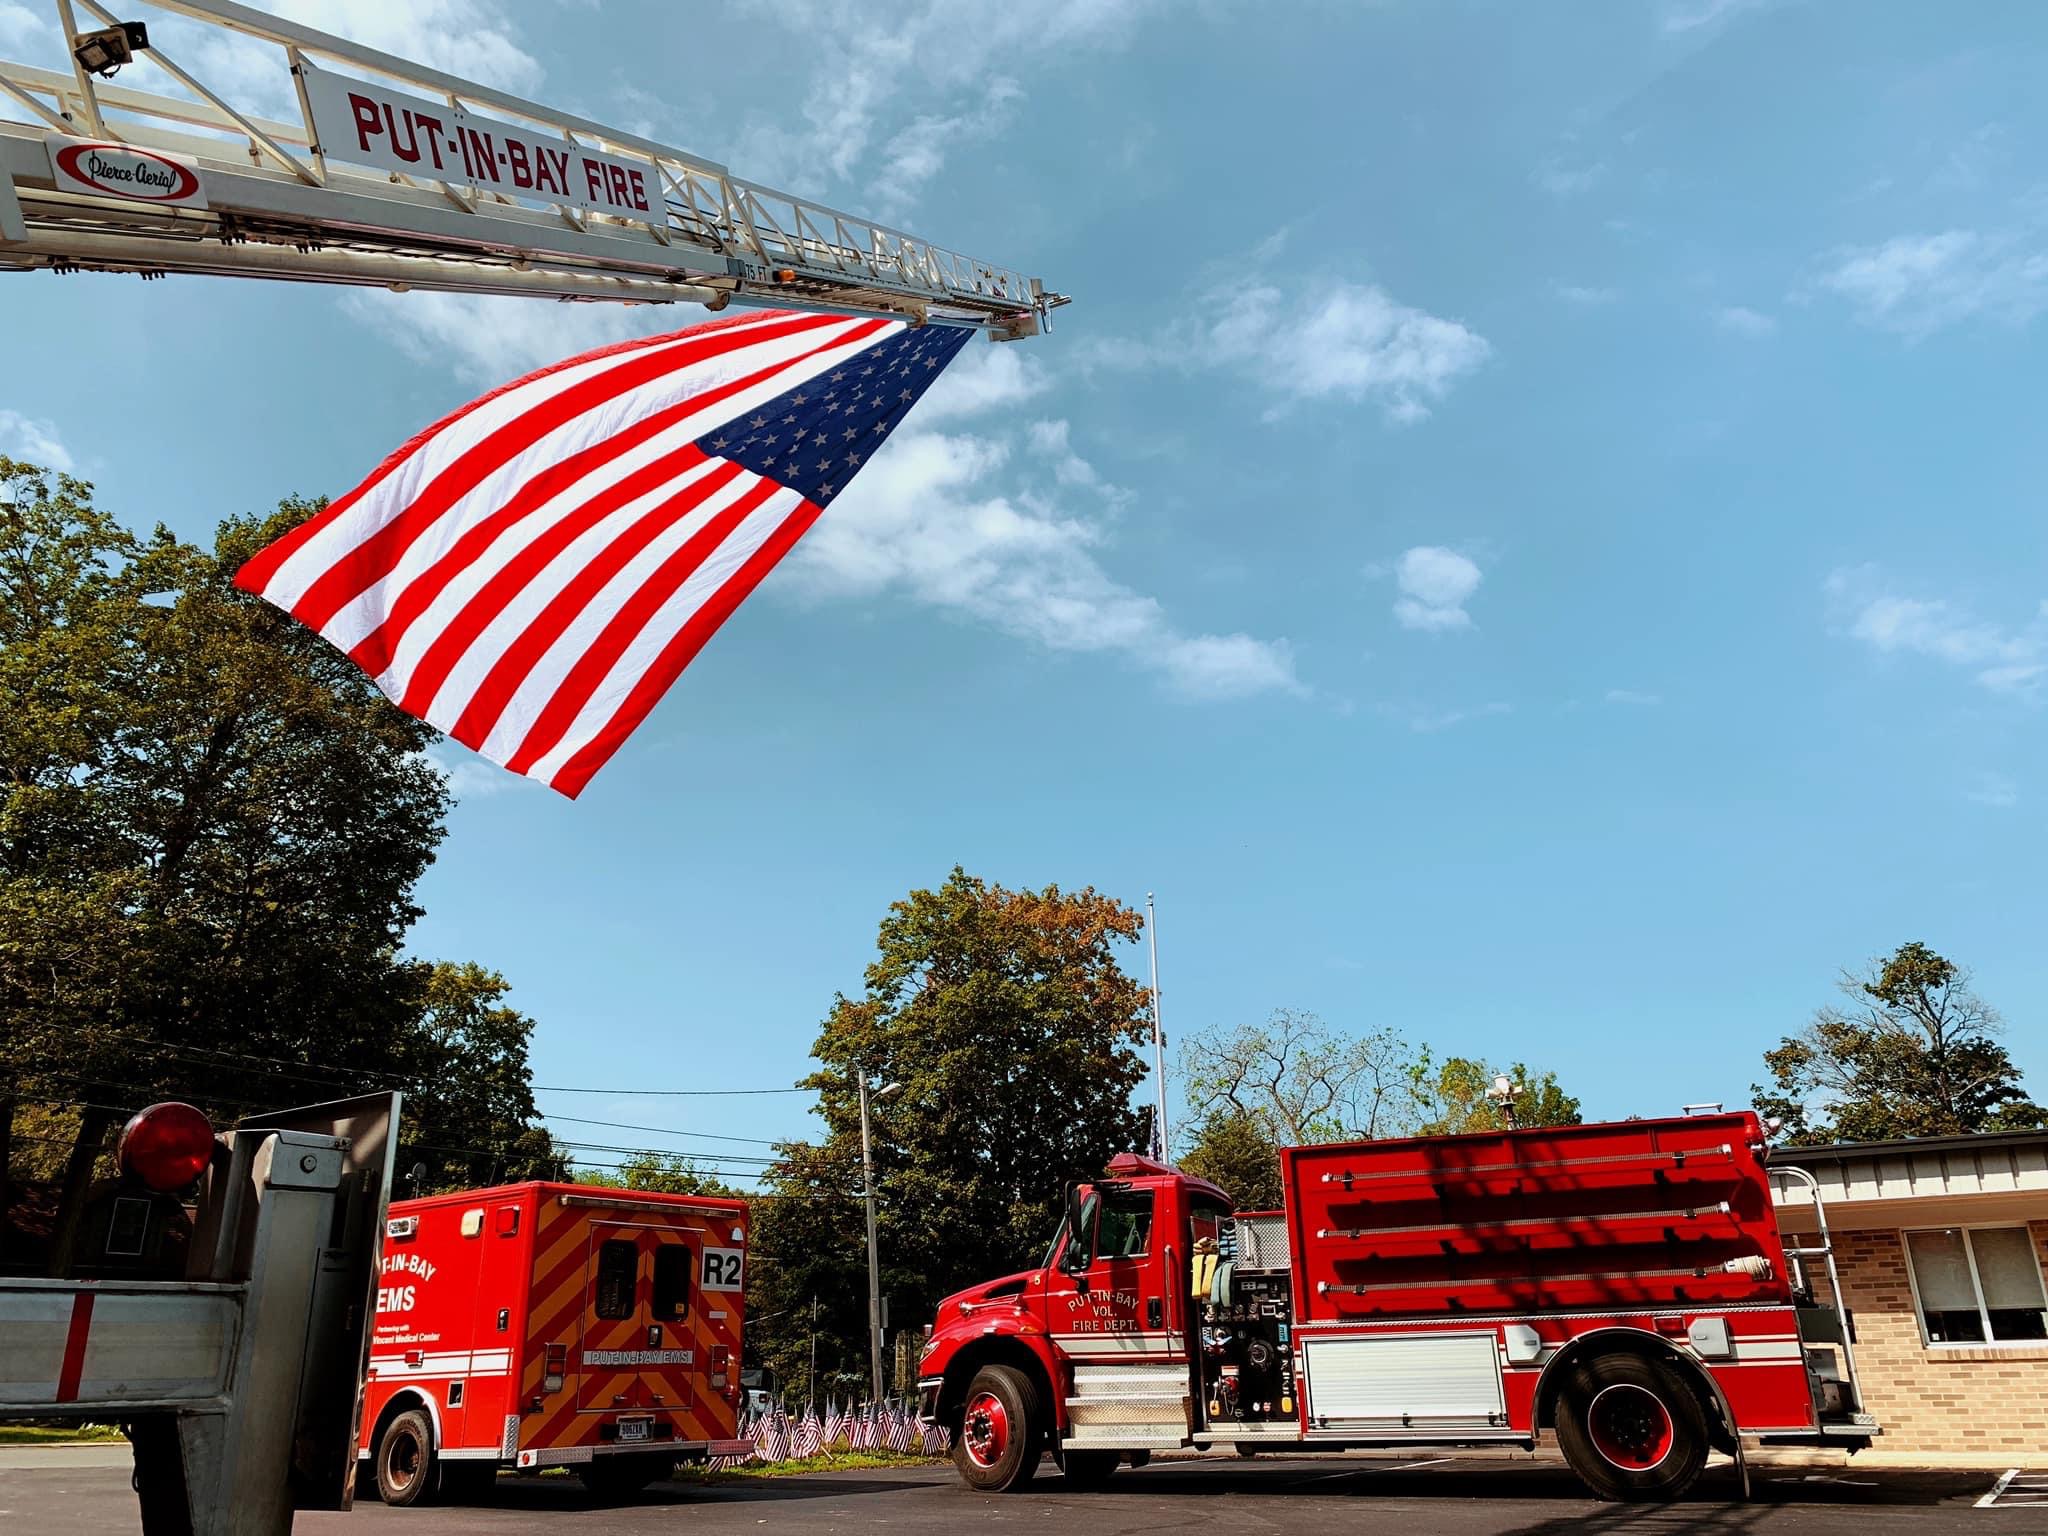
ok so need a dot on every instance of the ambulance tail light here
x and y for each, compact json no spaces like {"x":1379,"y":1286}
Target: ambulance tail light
{"x":723,"y":1378}
{"x":556,"y":1370}
{"x":166,"y":1146}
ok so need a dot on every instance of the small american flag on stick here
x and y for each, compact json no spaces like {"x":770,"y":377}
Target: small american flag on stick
{"x":531,"y":573}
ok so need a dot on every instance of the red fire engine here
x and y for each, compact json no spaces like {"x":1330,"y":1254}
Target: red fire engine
{"x":1623,"y":1286}
{"x":539,"y":1325}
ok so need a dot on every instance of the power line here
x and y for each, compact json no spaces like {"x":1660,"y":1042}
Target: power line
{"x":659,"y":1130}
{"x":668,"y":1093}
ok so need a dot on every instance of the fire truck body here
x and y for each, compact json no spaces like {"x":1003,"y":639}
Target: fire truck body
{"x":543,"y":1324}
{"x":1624,"y":1286}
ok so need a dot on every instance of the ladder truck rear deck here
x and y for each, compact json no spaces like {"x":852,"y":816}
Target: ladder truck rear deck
{"x":1623,"y":1287}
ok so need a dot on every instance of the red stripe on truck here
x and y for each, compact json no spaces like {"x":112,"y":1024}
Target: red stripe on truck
{"x":74,"y":1347}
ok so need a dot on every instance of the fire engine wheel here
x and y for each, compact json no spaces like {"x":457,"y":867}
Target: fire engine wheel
{"x":1630,"y":1429}
{"x":1088,"y":1469}
{"x":405,"y":1459}
{"x":997,"y":1449}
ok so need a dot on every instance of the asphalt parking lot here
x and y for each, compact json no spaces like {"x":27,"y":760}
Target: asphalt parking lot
{"x":1307,"y":1495}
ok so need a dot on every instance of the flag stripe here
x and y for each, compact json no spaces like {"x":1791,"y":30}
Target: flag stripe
{"x":441,"y":481}
{"x":686,"y":477}
{"x":532,"y":573}
{"x":334,"y":528}
{"x":466,"y":561}
{"x":585,"y":575}
{"x":682,"y":650}
{"x":699,"y":524}
{"x":566,"y":719}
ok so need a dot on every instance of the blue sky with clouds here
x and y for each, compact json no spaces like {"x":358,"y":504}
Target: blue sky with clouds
{"x":1530,"y":534}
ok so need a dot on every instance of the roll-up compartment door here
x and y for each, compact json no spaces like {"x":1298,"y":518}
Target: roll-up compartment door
{"x":1420,"y":1381}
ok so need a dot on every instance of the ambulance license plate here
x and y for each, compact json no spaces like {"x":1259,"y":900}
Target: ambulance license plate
{"x":633,"y":1429}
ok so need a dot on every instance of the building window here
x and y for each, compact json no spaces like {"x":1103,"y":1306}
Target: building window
{"x":1978,"y":1285}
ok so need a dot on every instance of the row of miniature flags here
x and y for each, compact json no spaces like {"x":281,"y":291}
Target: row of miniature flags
{"x":779,"y":1436}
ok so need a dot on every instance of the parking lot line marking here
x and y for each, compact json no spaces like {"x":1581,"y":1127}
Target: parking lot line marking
{"x":1406,"y":1466}
{"x":1991,"y":1499}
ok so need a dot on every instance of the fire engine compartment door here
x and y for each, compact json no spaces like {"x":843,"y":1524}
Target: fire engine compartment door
{"x":638,"y":1347}
{"x":1416,"y":1381}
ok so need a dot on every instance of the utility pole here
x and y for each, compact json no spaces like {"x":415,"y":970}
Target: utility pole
{"x":1158,"y":1031}
{"x":813,"y":1394}
{"x":867,"y":1178}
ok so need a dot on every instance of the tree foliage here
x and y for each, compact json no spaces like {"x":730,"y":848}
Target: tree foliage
{"x":1914,"y":1053}
{"x":651,"y":1171}
{"x":1451,"y":1097}
{"x":211,"y":828}
{"x":1299,"y":1080}
{"x":1234,"y":1151}
{"x":1013,"y":1032}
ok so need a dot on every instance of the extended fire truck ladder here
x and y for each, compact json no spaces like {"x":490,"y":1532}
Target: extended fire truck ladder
{"x":395,"y":175}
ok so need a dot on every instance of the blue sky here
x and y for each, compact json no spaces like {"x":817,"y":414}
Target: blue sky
{"x":1531,"y":532}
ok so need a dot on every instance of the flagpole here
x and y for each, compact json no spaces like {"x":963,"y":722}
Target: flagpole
{"x":1158,"y":1032}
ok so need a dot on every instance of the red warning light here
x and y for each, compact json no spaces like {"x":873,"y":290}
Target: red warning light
{"x":166,"y":1146}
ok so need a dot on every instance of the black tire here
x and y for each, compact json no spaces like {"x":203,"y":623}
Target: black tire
{"x":1002,"y":1431}
{"x":1631,"y":1429}
{"x":620,"y":1477}
{"x":1089,"y":1469}
{"x":405,"y":1459}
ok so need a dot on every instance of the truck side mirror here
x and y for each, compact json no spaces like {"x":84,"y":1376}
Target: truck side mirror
{"x":1080,"y":1250}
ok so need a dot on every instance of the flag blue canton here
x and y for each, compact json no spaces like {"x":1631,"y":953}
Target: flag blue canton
{"x":815,"y":437}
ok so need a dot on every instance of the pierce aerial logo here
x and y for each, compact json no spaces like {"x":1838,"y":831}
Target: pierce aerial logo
{"x":122,"y":170}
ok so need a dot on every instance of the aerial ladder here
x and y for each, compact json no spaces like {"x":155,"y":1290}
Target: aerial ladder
{"x":392,"y":174}
{"x":239,"y":1373}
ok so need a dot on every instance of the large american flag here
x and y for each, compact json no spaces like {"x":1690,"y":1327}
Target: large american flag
{"x":532,"y":572}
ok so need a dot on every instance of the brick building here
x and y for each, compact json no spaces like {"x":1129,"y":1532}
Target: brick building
{"x":1942,"y":1246}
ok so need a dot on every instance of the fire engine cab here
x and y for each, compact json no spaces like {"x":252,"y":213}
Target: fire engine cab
{"x":1623,"y":1286}
{"x":537,"y":1325}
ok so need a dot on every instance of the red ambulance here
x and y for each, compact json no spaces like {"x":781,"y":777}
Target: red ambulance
{"x":538,"y":1325}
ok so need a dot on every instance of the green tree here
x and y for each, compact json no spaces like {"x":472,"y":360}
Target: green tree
{"x":1301,"y":1081}
{"x":667,"y":1175}
{"x":471,"y":1120}
{"x":211,"y":828}
{"x":1914,"y":1054}
{"x":1451,"y":1097}
{"x":1013,"y":1033}
{"x":1233,"y":1151}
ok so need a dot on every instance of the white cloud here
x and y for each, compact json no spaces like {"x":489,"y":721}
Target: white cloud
{"x":966,"y":523}
{"x":887,"y":101}
{"x":470,"y":38}
{"x":1435,"y":584}
{"x":1053,"y":442}
{"x":1632,"y":697}
{"x":1352,"y":342}
{"x":917,"y":152}
{"x":19,"y":25}
{"x":1737,"y":320}
{"x":1444,"y":720}
{"x":1585,"y":298}
{"x":1305,"y":341}
{"x":985,"y":377}
{"x":2002,"y":659}
{"x":470,"y":777}
{"x":489,"y":340}
{"x":1694,"y":14}
{"x":1561,"y":178}
{"x":1994,"y":790}
{"x":33,"y":441}
{"x":1916,"y":284}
